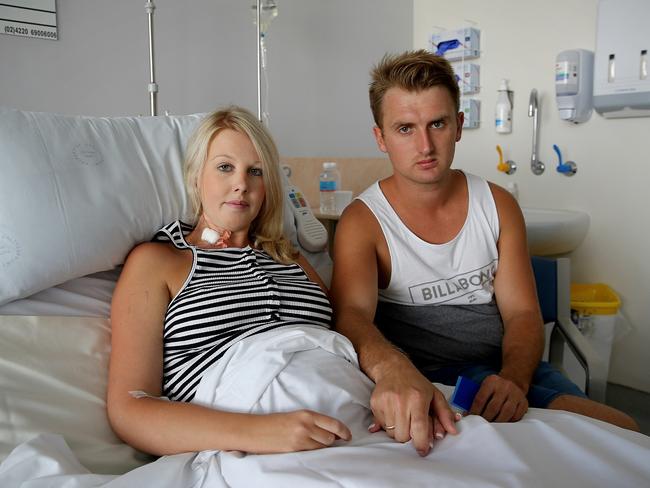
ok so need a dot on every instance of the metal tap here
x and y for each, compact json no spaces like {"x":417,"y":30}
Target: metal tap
{"x":536,"y":165}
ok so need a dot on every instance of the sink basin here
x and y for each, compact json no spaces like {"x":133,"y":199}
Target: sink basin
{"x":554,"y":231}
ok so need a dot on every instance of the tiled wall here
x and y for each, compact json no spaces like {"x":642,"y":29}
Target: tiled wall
{"x":356,"y":173}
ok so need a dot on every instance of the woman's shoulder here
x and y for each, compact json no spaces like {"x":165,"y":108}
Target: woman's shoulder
{"x":156,"y":265}
{"x":155,"y":257}
{"x":152,"y":250}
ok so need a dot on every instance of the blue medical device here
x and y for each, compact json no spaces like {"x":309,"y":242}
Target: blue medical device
{"x":464,"y":393}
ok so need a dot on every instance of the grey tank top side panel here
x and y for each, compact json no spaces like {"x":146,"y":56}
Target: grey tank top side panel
{"x":443,"y":335}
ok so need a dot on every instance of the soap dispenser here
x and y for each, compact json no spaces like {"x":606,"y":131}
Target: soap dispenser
{"x":574,"y":78}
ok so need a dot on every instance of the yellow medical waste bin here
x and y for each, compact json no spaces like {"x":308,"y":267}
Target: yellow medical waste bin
{"x":596,"y":306}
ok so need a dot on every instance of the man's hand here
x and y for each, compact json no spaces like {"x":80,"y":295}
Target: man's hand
{"x":407,"y":406}
{"x":499,"y":400}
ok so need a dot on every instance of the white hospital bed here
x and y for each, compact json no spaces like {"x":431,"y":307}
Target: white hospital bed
{"x":76,"y":193}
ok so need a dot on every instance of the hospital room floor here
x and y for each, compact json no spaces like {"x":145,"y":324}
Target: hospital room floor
{"x":633,"y":402}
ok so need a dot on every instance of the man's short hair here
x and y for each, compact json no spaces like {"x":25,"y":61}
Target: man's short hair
{"x":410,"y":71}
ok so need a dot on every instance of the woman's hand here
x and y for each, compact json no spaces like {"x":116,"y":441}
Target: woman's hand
{"x":302,"y":430}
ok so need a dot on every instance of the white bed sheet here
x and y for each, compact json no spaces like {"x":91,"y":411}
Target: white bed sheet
{"x":280,"y":370}
{"x":53,"y":376}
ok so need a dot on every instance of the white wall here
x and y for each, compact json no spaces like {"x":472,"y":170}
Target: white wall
{"x":519,"y":41}
{"x":319,"y":55}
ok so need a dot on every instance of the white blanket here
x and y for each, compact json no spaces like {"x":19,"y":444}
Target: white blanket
{"x":313,"y":368}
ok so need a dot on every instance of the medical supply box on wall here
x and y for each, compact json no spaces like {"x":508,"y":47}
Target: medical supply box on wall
{"x":621,"y":80}
{"x":472,"y":111}
{"x":458,"y":44}
{"x":468,"y":77}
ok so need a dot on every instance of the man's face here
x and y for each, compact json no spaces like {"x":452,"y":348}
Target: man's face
{"x":420,"y":131}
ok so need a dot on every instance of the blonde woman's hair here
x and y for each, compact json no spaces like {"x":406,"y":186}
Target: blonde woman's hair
{"x":412,"y":71}
{"x":266,"y":231}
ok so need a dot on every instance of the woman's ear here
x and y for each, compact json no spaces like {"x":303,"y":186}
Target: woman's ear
{"x":197,"y":185}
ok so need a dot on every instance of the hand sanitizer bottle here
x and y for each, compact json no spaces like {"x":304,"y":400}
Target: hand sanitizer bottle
{"x":503,"y":111}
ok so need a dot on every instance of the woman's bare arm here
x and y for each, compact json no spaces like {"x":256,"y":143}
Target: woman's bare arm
{"x":167,"y":427}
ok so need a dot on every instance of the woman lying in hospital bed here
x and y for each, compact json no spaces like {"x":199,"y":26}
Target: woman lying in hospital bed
{"x":231,"y":282}
{"x":221,"y":347}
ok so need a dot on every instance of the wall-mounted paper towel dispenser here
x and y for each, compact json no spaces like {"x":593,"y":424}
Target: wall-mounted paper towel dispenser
{"x":621,"y":81}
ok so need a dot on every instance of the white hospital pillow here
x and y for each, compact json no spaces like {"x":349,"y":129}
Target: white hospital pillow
{"x":53,"y":379}
{"x":77,"y":193}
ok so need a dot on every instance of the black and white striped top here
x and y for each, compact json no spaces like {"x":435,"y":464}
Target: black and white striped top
{"x":229,"y":294}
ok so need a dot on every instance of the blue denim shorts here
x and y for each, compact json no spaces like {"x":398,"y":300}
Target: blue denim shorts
{"x":547,"y":383}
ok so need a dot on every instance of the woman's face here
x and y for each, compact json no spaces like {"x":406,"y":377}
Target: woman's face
{"x":231,"y":184}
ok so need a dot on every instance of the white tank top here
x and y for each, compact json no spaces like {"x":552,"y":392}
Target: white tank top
{"x":458,"y":272}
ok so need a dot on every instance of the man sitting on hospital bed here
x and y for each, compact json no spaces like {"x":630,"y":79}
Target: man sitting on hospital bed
{"x":183,"y":303}
{"x":432,"y":277}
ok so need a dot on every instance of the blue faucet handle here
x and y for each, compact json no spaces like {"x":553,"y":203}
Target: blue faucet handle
{"x":559,"y":154}
{"x":568,"y":168}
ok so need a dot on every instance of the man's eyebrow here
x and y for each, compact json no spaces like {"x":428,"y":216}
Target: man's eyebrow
{"x":398,"y":123}
{"x":441,"y":118}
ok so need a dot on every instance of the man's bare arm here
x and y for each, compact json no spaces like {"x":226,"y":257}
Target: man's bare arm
{"x":502,"y":397}
{"x":402,"y":398}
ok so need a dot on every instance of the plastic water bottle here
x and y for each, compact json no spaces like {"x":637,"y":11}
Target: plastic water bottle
{"x":329,"y":182}
{"x":503,"y":111}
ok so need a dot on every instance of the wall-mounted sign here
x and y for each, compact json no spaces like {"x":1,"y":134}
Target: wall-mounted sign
{"x":29,"y":18}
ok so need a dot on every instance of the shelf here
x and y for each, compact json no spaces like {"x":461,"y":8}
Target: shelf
{"x":324,"y":216}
